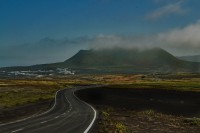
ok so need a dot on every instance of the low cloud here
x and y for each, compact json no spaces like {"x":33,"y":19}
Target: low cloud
{"x":187,"y":37}
{"x":166,"y":10}
{"x":46,"y":50}
{"x":180,"y":41}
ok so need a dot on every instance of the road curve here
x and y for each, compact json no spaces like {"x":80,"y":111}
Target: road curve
{"x":68,"y":115}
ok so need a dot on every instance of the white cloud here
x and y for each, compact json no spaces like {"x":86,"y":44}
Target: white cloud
{"x":183,"y":38}
{"x":169,"y":9}
{"x":180,"y":41}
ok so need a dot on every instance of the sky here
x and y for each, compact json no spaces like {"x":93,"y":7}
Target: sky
{"x":44,"y":31}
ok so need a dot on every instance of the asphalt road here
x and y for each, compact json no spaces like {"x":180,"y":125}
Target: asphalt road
{"x":68,"y":115}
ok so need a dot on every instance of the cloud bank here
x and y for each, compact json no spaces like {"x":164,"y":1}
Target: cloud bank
{"x":179,"y":41}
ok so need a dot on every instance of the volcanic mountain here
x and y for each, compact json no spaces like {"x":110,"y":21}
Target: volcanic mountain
{"x":119,"y":60}
{"x":129,"y":60}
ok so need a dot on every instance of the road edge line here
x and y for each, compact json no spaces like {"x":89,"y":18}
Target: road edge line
{"x":34,"y":115}
{"x":95,"y":114}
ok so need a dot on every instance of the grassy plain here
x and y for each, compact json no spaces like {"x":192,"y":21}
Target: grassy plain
{"x":19,"y":92}
{"x":16,"y":94}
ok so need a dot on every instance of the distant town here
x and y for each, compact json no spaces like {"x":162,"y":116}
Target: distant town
{"x":37,"y":73}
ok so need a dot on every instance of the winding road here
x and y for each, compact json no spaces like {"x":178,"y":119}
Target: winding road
{"x":68,"y":115}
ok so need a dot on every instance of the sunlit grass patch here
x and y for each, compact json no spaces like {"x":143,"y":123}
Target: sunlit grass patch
{"x":20,"y":92}
{"x":149,"y":112}
{"x":192,"y":121}
{"x":120,"y":127}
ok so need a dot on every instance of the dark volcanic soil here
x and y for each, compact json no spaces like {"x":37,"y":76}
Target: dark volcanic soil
{"x":144,"y":110}
{"x":165,"y":101}
{"x":146,"y":121}
{"x":23,"y":111}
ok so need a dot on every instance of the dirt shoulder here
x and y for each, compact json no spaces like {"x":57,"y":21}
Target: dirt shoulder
{"x":166,"y":101}
{"x":144,"y":110}
{"x":23,"y":111}
{"x":121,"y":120}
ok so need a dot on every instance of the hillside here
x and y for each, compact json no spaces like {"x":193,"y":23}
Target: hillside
{"x":122,"y":57}
{"x":130,"y":60}
{"x":194,"y":58}
{"x":119,"y":60}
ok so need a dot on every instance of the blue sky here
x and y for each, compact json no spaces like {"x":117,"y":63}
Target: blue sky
{"x":27,"y":22}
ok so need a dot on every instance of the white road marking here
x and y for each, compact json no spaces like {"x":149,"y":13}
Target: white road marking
{"x":56,"y":117}
{"x":43,"y":122}
{"x":88,"y":128}
{"x":70,"y":105}
{"x":53,"y":105}
{"x":17,"y":130}
{"x":94,"y":118}
{"x":33,"y":115}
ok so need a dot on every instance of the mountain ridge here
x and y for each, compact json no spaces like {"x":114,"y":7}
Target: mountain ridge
{"x":119,"y":60}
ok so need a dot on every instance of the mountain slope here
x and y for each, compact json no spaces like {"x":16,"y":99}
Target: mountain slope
{"x":130,"y":60}
{"x":194,"y":58}
{"x":122,"y":57}
{"x":120,"y":60}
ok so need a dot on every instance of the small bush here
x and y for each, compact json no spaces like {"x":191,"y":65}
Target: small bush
{"x":121,"y":128}
{"x":149,"y":112}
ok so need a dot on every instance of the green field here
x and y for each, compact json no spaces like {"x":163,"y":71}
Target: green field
{"x":17,"y":95}
{"x":21,"y":91}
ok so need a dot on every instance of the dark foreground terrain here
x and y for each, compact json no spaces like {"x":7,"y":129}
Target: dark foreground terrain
{"x":23,"y":111}
{"x":145,"y":110}
{"x":123,"y":120}
{"x":131,"y":103}
{"x":68,"y":114}
{"x":166,"y":101}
